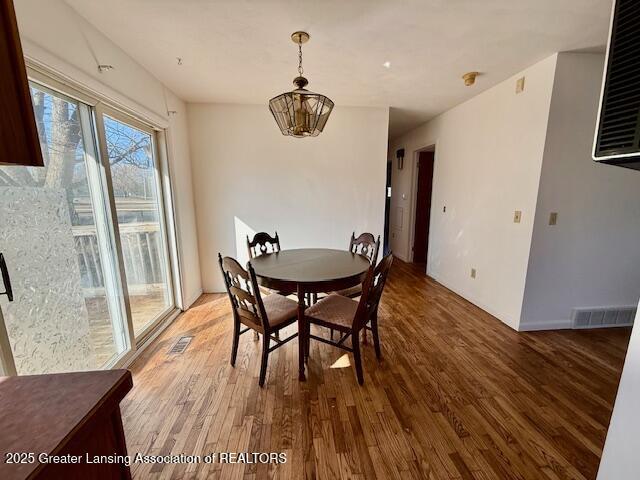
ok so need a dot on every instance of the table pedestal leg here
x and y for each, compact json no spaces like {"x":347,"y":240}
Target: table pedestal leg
{"x":302,"y":333}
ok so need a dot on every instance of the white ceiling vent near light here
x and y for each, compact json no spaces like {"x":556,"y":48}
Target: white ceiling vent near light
{"x":226,"y":45}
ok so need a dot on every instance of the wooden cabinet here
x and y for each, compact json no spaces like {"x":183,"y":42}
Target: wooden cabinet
{"x":19,"y":143}
{"x":63,"y":416}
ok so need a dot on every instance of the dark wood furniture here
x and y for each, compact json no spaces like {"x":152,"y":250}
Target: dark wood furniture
{"x":262,"y":243}
{"x":367,"y":245}
{"x":267,"y":316}
{"x":19,"y":144}
{"x":350,"y":317}
{"x":63,"y":414}
{"x":309,"y":270}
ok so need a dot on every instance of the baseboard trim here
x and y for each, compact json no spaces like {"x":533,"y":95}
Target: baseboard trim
{"x":545,"y":325}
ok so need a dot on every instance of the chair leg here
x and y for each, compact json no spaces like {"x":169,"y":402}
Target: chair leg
{"x":364,"y":336}
{"x":376,"y":336}
{"x":234,"y":347}
{"x":355,"y":343}
{"x":307,"y":341}
{"x":265,"y":358}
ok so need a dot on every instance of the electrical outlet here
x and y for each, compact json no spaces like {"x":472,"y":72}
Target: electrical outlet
{"x":517,"y":216}
{"x":473,"y":273}
{"x":553,"y":218}
{"x":444,"y":209}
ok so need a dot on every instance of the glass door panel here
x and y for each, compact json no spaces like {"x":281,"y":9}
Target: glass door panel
{"x":66,"y":314}
{"x":139,"y":207}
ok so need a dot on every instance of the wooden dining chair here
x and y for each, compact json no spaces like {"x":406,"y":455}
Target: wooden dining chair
{"x":266,"y":315}
{"x":349,"y":317}
{"x":262,"y":243}
{"x":366,"y":245}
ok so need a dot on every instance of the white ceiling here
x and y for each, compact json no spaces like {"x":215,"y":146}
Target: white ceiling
{"x":238,"y":51}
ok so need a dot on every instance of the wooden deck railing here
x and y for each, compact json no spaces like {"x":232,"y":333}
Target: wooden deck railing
{"x":141,"y":249}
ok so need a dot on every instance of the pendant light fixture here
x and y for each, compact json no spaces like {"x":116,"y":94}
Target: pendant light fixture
{"x":301,"y":113}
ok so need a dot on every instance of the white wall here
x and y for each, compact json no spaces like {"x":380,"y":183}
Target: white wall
{"x":54,"y":35}
{"x":182,"y":186}
{"x":591,"y":257}
{"x":487,"y":165}
{"x":620,"y":459}
{"x":315,"y":191}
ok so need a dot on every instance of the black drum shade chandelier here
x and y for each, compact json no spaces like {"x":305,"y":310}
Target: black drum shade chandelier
{"x":301,"y":113}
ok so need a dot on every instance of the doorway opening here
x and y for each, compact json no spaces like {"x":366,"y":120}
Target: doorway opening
{"x":424,"y":187}
{"x":387,"y":210}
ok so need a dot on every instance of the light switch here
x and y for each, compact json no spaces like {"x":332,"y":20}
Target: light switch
{"x":520,"y":85}
{"x":553,"y":218}
{"x":517,"y":216}
{"x":473,"y":273}
{"x":444,"y":209}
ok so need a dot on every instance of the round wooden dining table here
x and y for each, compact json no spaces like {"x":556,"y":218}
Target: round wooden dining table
{"x":308,"y":271}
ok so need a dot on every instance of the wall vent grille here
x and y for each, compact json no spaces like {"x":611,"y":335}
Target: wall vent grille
{"x":603,"y":317}
{"x":619,"y":129}
{"x":180,"y":346}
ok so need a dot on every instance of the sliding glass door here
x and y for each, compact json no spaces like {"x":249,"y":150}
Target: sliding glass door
{"x":133,"y":164}
{"x":84,"y":240}
{"x":60,"y":264}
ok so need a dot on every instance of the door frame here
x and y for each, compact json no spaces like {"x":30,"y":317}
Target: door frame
{"x":7,"y":364}
{"x":430,"y":147}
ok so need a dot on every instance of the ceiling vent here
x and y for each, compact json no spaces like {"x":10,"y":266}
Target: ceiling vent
{"x":618,"y":130}
{"x":603,"y":317}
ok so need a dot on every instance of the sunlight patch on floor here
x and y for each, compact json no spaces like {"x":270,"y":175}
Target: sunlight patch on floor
{"x":342,"y":362}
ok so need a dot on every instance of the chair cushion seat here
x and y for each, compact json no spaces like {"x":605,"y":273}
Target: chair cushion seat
{"x":334,"y":309}
{"x":351,"y":292}
{"x":279,"y":309}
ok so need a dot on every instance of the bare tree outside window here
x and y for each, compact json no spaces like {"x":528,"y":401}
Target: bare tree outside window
{"x":134,"y":176}
{"x":61,"y":142}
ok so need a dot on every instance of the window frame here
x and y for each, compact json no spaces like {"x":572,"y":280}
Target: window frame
{"x":100,"y":177}
{"x":101,"y":110}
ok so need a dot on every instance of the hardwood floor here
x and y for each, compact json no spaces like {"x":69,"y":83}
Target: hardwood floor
{"x":458,"y":395}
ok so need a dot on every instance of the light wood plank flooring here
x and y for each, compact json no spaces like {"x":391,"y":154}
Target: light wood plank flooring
{"x":458,"y":395}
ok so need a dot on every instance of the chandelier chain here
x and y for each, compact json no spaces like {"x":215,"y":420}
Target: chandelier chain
{"x":300,"y":69}
{"x":300,"y":113}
